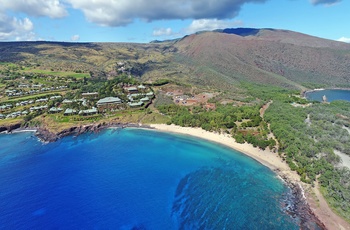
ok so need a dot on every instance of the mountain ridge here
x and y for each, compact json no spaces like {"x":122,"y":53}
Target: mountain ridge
{"x":221,"y":59}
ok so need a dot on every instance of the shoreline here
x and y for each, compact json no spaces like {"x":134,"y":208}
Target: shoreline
{"x":305,"y":203}
{"x":273,"y":162}
{"x":303,"y":93}
{"x":311,"y":208}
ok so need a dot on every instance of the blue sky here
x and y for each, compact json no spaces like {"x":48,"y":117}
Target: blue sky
{"x":147,"y":20}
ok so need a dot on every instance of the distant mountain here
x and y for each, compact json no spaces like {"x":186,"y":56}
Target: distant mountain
{"x":278,"y":57}
{"x":221,"y":59}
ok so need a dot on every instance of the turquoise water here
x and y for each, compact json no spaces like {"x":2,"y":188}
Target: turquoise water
{"x":331,"y":94}
{"x":135,"y":179}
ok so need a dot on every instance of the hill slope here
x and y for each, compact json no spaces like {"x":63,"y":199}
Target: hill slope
{"x":271,"y":56}
{"x":220,"y":59}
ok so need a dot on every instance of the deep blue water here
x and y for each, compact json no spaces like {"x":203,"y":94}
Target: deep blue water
{"x":135,"y":179}
{"x":331,"y":94}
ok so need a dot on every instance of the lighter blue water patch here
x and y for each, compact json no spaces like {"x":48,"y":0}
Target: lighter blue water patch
{"x":331,"y":94}
{"x":135,"y":179}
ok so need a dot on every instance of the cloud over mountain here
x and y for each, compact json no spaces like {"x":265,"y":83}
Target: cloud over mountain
{"x":48,"y":8}
{"x":75,"y":38}
{"x":14,"y":28}
{"x":211,"y":24}
{"x":123,"y":12}
{"x":163,"y":32}
{"x":344,"y":39}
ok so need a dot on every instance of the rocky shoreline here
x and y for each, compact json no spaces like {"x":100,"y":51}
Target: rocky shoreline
{"x":47,"y":136}
{"x":10,"y":128}
{"x":296,"y":204}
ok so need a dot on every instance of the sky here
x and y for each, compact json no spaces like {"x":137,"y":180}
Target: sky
{"x":147,"y":20}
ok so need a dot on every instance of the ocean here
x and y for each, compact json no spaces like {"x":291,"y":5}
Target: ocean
{"x":135,"y":179}
{"x":331,"y":94}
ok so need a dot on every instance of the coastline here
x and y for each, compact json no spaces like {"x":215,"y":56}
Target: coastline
{"x":303,"y":93}
{"x":311,"y":207}
{"x":265,"y":157}
{"x":309,"y":203}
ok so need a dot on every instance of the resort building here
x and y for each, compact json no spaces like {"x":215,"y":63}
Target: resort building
{"x":55,"y":110}
{"x":37,"y":108}
{"x":90,"y":95}
{"x":135,"y":104}
{"x":55,"y":97}
{"x":42,"y":100}
{"x":69,"y":112}
{"x":91,"y":111}
{"x":109,"y":103}
{"x":66,"y":101}
{"x":145,"y":99}
{"x":141,"y":87}
{"x":37,"y":86}
{"x":132,"y":89}
{"x":150,"y":94}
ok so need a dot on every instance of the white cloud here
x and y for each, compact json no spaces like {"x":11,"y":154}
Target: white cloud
{"x":344,"y":39}
{"x":12,"y":28}
{"x":75,"y":38}
{"x":123,"y":12}
{"x":163,"y":32}
{"x":49,"y":8}
{"x":325,"y":2}
{"x":211,"y":24}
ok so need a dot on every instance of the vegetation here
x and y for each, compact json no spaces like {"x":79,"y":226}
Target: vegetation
{"x":308,"y":146}
{"x":244,"y":123}
{"x":77,"y":74}
{"x":307,"y":135}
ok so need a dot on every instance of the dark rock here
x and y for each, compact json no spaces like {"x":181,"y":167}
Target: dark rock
{"x":297,"y":206}
{"x":9,"y":128}
{"x":47,"y":136}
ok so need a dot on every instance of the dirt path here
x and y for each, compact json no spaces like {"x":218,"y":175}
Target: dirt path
{"x":262,"y":113}
{"x":321,"y":209}
{"x":264,"y":108}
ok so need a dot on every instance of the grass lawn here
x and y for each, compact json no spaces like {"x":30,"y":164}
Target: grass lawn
{"x":11,"y":121}
{"x":59,"y":74}
{"x":33,"y":96}
{"x":155,"y":118}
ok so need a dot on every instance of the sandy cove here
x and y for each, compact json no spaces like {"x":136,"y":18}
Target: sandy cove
{"x":265,"y":157}
{"x":315,"y":200}
{"x":270,"y":159}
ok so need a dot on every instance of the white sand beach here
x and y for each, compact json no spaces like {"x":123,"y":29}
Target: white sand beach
{"x":265,"y":157}
{"x":270,"y":159}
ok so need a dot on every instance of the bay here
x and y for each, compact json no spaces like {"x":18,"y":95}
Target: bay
{"x":331,"y":94}
{"x":135,"y":179}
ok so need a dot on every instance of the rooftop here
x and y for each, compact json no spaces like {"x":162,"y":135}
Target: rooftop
{"x":88,"y":111}
{"x":135,"y":104}
{"x":70,"y":111}
{"x":132,"y":88}
{"x":109,"y":100}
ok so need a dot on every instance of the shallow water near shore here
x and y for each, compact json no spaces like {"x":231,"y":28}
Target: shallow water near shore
{"x":331,"y":94}
{"x":135,"y":179}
